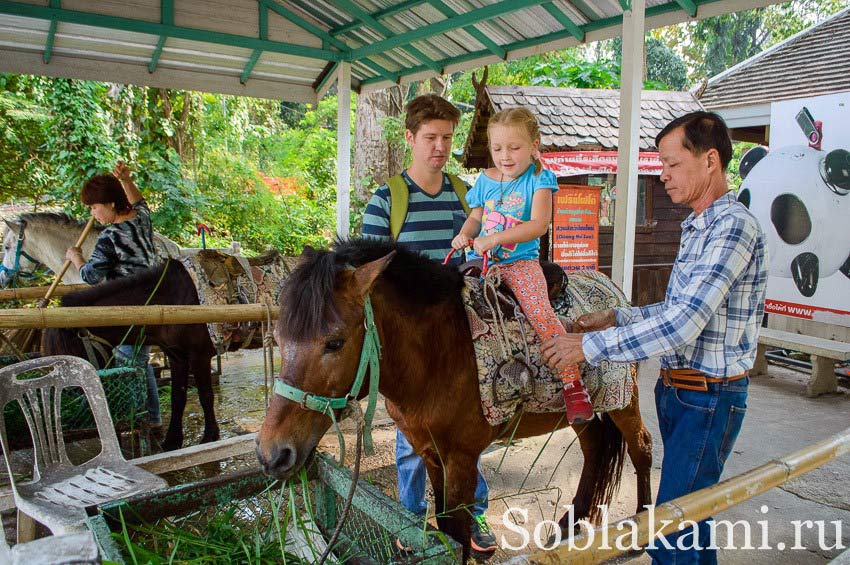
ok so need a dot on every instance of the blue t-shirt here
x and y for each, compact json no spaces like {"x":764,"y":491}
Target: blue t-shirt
{"x":507,"y":204}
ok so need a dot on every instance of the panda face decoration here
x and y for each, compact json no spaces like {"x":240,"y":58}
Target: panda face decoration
{"x":800,"y":196}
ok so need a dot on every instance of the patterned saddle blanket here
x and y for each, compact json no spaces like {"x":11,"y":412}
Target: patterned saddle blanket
{"x":511,"y":371}
{"x":222,"y":278}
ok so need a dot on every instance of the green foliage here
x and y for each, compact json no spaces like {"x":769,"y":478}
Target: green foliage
{"x":738,"y":151}
{"x":22,"y":171}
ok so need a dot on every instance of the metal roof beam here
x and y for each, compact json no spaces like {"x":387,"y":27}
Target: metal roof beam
{"x":263,"y":25}
{"x":491,"y":45}
{"x":159,"y":29}
{"x":602,"y":23}
{"x":474,"y":16}
{"x":379,"y":15}
{"x":367,"y":19}
{"x":565,"y":21}
{"x":166,"y":16}
{"x":688,"y":6}
{"x":324,"y":36}
{"x":51,"y":35}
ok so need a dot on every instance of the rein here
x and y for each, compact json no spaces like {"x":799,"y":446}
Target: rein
{"x":19,"y":252}
{"x":370,"y":355}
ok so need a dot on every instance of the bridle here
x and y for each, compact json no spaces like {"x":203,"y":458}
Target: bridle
{"x":370,"y":355}
{"x":19,"y":252}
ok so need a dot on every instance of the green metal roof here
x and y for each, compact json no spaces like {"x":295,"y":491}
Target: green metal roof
{"x":289,"y":49}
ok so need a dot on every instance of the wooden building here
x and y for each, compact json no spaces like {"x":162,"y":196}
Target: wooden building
{"x":578,"y":130}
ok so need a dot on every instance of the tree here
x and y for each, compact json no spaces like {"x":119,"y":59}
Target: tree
{"x":377,"y":155}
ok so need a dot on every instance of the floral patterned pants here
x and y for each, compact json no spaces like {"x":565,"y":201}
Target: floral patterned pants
{"x":526,"y":280}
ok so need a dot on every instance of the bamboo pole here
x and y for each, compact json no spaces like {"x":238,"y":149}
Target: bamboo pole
{"x":43,"y":302}
{"x":33,"y":292}
{"x":697,"y":505}
{"x":100,"y":316}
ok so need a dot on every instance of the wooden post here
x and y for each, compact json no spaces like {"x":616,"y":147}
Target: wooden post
{"x":43,"y":302}
{"x":343,"y":152}
{"x":625,"y":210}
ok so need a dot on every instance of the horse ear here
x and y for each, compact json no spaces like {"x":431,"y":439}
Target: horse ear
{"x":307,"y":255}
{"x":365,"y":275}
{"x":14,"y":226}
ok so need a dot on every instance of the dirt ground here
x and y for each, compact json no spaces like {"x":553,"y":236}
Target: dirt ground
{"x":779,"y":420}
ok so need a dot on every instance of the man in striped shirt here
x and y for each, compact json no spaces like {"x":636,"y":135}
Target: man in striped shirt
{"x":705,"y":331}
{"x":434,"y":217}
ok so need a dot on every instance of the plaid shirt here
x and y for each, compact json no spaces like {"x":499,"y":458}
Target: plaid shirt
{"x":713,"y":309}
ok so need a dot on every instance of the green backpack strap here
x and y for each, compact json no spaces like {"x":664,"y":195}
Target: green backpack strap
{"x":460,"y":189}
{"x":400,"y":194}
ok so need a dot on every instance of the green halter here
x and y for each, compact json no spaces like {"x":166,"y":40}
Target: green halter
{"x":370,"y":356}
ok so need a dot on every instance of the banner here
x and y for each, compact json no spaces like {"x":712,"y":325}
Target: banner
{"x":800,"y":193}
{"x":575,"y":227}
{"x":571,"y":163}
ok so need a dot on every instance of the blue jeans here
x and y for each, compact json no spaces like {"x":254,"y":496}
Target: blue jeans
{"x":140,"y":359}
{"x":411,"y":480}
{"x":698,"y":430}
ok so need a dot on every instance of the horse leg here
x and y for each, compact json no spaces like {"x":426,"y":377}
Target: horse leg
{"x":179,"y":380}
{"x":590,"y":441}
{"x":639,"y":446}
{"x":203,"y":380}
{"x":454,"y":495}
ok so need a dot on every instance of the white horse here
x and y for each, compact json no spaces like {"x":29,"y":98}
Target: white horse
{"x":42,"y":237}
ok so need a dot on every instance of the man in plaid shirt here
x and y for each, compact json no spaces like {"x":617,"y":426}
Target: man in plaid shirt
{"x":705,"y":331}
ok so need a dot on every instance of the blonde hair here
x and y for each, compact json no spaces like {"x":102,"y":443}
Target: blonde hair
{"x":522,"y":118}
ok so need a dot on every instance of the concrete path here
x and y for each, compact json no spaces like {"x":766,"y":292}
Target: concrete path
{"x":779,"y":420}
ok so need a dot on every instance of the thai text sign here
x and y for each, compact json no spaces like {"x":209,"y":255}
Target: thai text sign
{"x":575,"y":227}
{"x":571,"y":163}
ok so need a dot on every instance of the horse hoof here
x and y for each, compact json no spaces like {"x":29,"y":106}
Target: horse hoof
{"x":207,"y":438}
{"x":171,"y":445}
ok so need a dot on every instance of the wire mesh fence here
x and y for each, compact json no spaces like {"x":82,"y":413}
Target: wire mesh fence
{"x":247,"y":517}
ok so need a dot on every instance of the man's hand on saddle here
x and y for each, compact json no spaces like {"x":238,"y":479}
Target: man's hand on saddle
{"x":565,"y":350}
{"x":562,"y":351}
{"x":595,"y":321}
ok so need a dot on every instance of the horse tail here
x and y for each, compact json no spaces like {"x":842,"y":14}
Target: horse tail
{"x":62,"y":341}
{"x":609,"y":464}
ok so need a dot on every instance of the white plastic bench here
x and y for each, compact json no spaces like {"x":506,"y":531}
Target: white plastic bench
{"x":825,"y":353}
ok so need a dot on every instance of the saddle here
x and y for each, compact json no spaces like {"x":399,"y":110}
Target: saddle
{"x":512,"y":375}
{"x":223,"y":278}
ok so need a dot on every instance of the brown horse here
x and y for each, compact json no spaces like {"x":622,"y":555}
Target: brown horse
{"x":188,"y":347}
{"x":429,"y":377}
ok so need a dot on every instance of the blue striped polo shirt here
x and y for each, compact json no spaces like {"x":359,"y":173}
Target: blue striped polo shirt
{"x":431,"y":222}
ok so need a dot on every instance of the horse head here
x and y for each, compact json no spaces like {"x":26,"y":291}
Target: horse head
{"x":320,"y":332}
{"x":17,"y":257}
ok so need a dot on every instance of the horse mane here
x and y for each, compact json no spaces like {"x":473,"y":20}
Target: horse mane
{"x":308,"y":304}
{"x":58,"y":218}
{"x":133,"y":290}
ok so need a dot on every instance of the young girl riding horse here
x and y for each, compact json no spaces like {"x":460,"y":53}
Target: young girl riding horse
{"x":511,"y":208}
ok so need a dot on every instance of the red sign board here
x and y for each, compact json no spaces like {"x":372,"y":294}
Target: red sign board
{"x":571,"y":163}
{"x":575,"y":227}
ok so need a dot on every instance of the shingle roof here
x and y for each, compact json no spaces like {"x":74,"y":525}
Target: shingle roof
{"x":574,"y":118}
{"x":814,"y":62}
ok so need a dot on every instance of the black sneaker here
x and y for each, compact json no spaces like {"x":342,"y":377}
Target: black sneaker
{"x":483,"y":539}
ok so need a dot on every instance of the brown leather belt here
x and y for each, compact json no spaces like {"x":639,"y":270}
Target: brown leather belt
{"x":691,"y":379}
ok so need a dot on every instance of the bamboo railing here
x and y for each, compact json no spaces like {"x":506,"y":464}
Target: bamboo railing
{"x":100,"y":316}
{"x":699,"y":505}
{"x":36,"y":292}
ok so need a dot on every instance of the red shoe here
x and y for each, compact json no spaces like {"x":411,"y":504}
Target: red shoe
{"x":579,"y":407}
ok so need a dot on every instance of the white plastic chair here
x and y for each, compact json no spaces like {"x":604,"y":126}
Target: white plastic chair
{"x":60,"y":491}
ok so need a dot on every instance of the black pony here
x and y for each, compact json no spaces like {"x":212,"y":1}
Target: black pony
{"x":187,"y":346}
